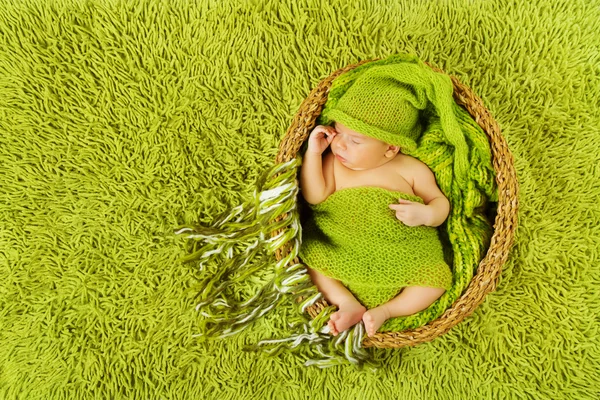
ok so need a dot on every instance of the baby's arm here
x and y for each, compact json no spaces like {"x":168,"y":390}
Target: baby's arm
{"x":316,"y":175}
{"x":426,"y":188}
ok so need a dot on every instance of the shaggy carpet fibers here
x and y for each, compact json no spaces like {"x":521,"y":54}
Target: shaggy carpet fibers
{"x":122,"y":120}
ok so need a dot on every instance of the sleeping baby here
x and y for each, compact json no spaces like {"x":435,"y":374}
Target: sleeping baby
{"x":370,"y":243}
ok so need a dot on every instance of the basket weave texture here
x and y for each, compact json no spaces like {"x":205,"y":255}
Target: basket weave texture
{"x":505,"y":224}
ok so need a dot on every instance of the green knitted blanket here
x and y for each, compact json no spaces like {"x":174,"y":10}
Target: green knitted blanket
{"x":353,"y":236}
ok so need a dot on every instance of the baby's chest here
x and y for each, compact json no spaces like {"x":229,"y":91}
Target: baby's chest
{"x":387,"y":177}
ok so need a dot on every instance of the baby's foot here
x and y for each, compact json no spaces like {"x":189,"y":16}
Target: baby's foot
{"x":374,"y":318}
{"x":349,"y":314}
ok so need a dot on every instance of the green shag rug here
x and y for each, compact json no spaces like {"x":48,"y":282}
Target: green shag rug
{"x":120,"y":121}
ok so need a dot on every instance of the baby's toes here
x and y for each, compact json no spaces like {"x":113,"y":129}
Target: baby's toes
{"x":332,"y":329}
{"x":368,"y":321}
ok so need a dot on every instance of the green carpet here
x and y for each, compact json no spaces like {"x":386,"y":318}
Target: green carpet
{"x":120,"y":121}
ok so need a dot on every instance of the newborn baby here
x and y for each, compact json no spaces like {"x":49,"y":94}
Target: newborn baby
{"x":356,"y":160}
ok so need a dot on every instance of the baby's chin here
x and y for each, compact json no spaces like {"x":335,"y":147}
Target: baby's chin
{"x":349,"y":165}
{"x":353,"y":167}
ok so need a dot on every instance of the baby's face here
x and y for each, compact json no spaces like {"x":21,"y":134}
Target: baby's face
{"x":359,"y":152}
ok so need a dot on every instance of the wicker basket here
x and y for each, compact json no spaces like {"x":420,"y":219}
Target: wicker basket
{"x":489,"y":269}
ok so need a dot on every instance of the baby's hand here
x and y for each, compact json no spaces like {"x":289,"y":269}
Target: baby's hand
{"x":412,"y":213}
{"x":320,"y":138}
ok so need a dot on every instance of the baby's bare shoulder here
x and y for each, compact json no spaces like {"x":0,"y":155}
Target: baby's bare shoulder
{"x":408,"y":160}
{"x":409,"y":167}
{"x":408,"y":164}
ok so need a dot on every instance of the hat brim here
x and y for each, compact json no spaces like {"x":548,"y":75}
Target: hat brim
{"x":371,"y":131}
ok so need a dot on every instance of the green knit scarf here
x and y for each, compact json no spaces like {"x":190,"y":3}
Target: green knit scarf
{"x":239,"y":244}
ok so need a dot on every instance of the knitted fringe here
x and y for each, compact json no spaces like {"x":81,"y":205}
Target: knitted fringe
{"x":248,"y":226}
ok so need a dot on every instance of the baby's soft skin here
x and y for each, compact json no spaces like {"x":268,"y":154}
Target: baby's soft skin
{"x":360,"y":153}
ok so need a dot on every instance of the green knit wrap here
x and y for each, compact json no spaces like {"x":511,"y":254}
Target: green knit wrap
{"x":353,"y":236}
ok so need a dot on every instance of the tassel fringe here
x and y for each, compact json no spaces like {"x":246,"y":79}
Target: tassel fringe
{"x":249,"y":227}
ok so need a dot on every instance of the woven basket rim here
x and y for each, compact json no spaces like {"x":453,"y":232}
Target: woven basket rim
{"x":490,"y":267}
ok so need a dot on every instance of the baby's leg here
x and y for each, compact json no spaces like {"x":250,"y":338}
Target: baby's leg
{"x":410,"y":301}
{"x":350,"y":310}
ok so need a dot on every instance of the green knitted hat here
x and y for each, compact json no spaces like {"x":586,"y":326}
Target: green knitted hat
{"x":393,"y":100}
{"x":380,"y":107}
